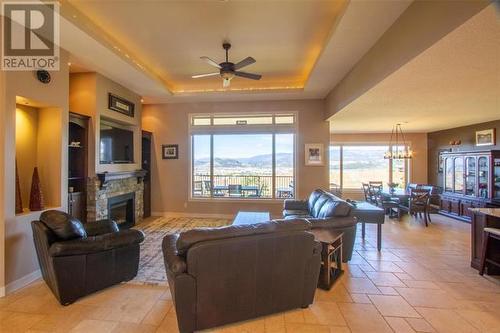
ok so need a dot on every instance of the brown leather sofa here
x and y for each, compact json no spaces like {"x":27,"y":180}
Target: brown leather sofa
{"x":78,"y":259}
{"x":325,"y":210}
{"x":223,"y":275}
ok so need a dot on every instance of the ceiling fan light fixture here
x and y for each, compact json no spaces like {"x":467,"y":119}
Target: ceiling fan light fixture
{"x":227,"y":75}
{"x":228,"y":70}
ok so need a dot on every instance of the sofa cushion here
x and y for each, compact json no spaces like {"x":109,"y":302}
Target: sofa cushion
{"x":191,"y":237}
{"x":63,"y":225}
{"x":334,"y":207}
{"x":315,"y":195}
{"x":314,"y":210}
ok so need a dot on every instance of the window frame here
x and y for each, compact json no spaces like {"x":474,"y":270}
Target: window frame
{"x":341,"y":146}
{"x":272,"y":129}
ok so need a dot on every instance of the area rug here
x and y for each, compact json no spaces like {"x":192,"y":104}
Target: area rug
{"x":151,"y":266}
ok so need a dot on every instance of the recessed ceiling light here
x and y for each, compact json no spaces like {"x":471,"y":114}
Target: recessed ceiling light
{"x":69,"y":64}
{"x":142,"y":100}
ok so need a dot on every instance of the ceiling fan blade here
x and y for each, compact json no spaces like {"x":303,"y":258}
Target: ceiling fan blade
{"x":245,"y":62}
{"x":248,"y":75}
{"x":226,"y":83}
{"x":204,"y":75}
{"x":210,"y":61}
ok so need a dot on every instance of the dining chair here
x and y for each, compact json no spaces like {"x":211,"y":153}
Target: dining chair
{"x":376,"y":183}
{"x":388,"y":204}
{"x":366,"y":192}
{"x":419,"y":204}
{"x":234,"y":190}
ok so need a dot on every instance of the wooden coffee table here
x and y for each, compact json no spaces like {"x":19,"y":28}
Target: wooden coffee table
{"x":331,"y":256}
{"x":251,"y":218}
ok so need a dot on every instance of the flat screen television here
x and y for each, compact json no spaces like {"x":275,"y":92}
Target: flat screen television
{"x":117,"y":144}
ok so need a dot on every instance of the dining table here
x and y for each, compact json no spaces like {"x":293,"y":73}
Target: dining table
{"x":401,"y":194}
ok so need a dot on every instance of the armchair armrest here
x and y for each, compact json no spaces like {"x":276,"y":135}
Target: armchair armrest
{"x":173,"y":262}
{"x":96,"y":244}
{"x":317,"y":248}
{"x":100,"y":227}
{"x":291,"y":204}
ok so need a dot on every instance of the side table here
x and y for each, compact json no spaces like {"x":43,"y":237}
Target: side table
{"x":331,"y":256}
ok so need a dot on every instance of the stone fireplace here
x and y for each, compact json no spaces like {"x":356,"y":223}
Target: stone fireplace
{"x":118,"y":196}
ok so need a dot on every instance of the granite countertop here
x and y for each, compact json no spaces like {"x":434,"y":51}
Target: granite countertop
{"x":487,"y":211}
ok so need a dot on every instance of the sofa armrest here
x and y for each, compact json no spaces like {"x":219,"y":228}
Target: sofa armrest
{"x":100,"y":227}
{"x":173,"y":262}
{"x":292,"y":204}
{"x":96,"y":244}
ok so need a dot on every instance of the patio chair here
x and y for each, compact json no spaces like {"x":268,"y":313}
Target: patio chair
{"x":207,"y":186}
{"x":198,"y":187}
{"x":234,"y":190}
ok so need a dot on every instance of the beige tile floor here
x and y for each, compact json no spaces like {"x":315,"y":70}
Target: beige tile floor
{"x":420,"y":282}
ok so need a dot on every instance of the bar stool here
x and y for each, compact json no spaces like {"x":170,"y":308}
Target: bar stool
{"x":488,"y":233}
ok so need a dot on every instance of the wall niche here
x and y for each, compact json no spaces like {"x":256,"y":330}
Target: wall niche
{"x":38,"y":138}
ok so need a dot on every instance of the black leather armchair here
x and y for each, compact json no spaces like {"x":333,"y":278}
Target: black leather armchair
{"x":78,"y":259}
{"x":325,"y":210}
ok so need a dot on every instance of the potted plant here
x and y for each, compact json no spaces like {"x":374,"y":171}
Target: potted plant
{"x":392,"y":187}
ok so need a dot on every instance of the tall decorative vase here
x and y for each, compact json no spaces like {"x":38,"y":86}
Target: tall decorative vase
{"x":19,"y":200}
{"x":36,"y":195}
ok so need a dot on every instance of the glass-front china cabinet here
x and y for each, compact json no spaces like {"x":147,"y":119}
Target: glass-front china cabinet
{"x":470,"y":179}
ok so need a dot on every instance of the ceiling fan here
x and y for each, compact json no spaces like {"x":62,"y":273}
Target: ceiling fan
{"x":227,"y":70}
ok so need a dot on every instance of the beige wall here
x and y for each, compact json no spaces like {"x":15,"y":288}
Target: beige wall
{"x":170,"y":178}
{"x":419,"y":27}
{"x":82,"y":100}
{"x":418,"y":142}
{"x":2,"y":181}
{"x":89,"y":96}
{"x":26,"y":147}
{"x":20,"y":257}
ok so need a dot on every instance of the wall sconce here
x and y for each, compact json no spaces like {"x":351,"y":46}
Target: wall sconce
{"x":455,"y":142}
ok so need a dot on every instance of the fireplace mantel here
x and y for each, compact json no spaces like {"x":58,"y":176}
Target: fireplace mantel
{"x":105,"y":177}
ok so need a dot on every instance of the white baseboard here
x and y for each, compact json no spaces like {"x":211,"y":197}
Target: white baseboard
{"x":202,"y":215}
{"x":2,"y":291}
{"x":23,"y":282}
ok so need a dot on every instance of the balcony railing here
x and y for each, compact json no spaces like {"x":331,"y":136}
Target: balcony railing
{"x":242,"y":186}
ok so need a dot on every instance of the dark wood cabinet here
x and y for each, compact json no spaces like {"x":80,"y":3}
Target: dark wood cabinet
{"x":470,"y":180}
{"x":77,"y":205}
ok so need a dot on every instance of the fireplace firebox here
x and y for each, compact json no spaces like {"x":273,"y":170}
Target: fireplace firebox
{"x":121,"y":209}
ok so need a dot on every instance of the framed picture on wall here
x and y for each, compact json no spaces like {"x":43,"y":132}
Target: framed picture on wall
{"x":486,"y":137}
{"x":170,"y":152}
{"x":314,"y":154}
{"x":121,"y":105}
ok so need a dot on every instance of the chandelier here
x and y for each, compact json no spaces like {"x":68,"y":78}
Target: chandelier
{"x":398,"y":149}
